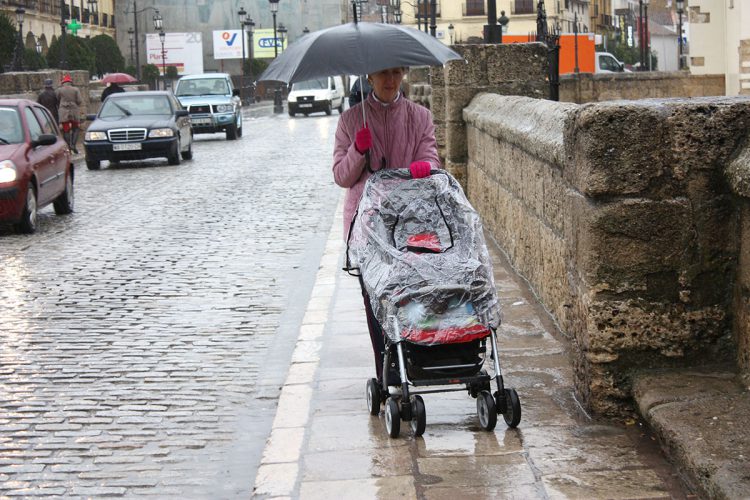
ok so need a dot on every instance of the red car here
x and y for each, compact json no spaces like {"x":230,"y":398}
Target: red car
{"x":35,"y":166}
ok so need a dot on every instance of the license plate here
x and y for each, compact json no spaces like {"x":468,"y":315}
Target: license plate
{"x":135,"y":146}
{"x":305,"y":105}
{"x":200,"y":121}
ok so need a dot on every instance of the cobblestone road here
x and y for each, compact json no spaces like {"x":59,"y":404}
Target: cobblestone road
{"x":145,"y":337}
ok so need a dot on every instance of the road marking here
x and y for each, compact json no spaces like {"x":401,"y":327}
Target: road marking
{"x":279,"y":468}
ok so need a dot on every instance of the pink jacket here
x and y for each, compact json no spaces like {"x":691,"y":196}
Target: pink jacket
{"x":402,"y":132}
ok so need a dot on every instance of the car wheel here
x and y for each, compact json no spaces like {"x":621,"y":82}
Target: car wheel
{"x":328,"y":109}
{"x":63,"y":204}
{"x":29,"y":221}
{"x":291,"y":113}
{"x":239,"y":130}
{"x":232,"y":132}
{"x":341,"y":107}
{"x":174,"y":155}
{"x":92,"y":164}
{"x":188,"y":155}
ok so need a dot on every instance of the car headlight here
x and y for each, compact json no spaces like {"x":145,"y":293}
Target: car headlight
{"x":7,"y":171}
{"x":95,"y":136}
{"x":224,"y":108}
{"x":161,"y":132}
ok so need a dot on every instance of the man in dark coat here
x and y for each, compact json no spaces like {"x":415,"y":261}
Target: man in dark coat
{"x":48,"y":99}
{"x":112,"y":88}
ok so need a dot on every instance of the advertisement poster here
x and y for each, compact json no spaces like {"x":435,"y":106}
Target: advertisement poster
{"x":263,"y":44}
{"x":184,"y":51}
{"x":228,"y":44}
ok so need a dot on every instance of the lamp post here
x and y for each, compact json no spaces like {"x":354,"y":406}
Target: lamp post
{"x":646,"y":31}
{"x":277,"y":106}
{"x":18,"y":55}
{"x":451,"y":31}
{"x":131,"y":33}
{"x":492,"y":31}
{"x":282,"y":33}
{"x":38,"y":46}
{"x":640,"y":32}
{"x":250,"y":26}
{"x":242,"y":14}
{"x":158,"y":26}
{"x":680,"y":10}
{"x":135,"y":13}
{"x":63,"y":62}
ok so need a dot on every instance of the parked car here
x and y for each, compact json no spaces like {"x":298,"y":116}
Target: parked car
{"x":138,"y":126}
{"x":213,"y":102}
{"x":35,"y":166}
{"x":321,"y":94}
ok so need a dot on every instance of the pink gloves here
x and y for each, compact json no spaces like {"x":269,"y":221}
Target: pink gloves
{"x":363,"y":140}
{"x":419,"y":169}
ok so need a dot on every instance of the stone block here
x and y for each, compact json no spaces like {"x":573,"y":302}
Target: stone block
{"x":470,"y":72}
{"x":438,"y":100}
{"x":516,"y":62}
{"x":618,"y":149}
{"x":455,"y":142}
{"x":457,"y":170}
{"x":455,"y":100}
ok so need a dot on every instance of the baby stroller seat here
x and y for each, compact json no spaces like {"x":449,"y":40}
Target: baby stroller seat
{"x":419,"y":249}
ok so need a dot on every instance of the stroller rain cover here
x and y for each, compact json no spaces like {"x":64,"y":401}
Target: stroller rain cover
{"x":419,"y":248}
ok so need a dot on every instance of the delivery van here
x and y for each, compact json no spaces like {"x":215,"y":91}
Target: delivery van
{"x":312,"y":96}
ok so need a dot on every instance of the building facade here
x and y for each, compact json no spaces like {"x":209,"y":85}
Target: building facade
{"x":42,"y":19}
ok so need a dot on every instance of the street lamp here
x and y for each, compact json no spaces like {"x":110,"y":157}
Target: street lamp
{"x":282,"y":33}
{"x":38,"y":46}
{"x":158,"y":25}
{"x":131,"y":37}
{"x":451,"y":31}
{"x":277,"y":106}
{"x":305,"y":31}
{"x":646,"y":31}
{"x":18,"y":59}
{"x":680,"y":10}
{"x":162,"y":36}
{"x":242,"y":14}
{"x":63,"y":62}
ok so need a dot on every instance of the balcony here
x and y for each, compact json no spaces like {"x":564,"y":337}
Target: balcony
{"x":523,"y":7}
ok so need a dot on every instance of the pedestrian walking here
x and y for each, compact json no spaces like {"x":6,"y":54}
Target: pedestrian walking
{"x":112,"y":88}
{"x":48,"y":99}
{"x":398,"y":133}
{"x":69,"y":110}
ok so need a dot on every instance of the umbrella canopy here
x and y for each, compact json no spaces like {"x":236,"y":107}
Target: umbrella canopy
{"x":356,"y":49}
{"x":118,"y":78}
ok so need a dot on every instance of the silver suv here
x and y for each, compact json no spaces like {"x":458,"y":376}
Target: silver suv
{"x":213,"y":103}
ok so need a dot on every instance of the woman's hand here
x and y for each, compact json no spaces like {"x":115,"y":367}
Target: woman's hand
{"x":363,"y":140}
{"x":419,"y":169}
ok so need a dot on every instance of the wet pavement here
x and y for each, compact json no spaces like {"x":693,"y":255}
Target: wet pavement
{"x":188,"y":333}
{"x":324,"y":444}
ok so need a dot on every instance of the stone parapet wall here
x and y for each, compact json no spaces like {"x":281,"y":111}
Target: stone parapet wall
{"x":28,"y":84}
{"x":589,"y":87}
{"x":620,"y":216}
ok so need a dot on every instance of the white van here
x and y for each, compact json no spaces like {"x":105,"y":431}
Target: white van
{"x":321,"y":94}
{"x":607,"y":63}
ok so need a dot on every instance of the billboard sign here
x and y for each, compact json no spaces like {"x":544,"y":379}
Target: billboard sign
{"x":263,"y":43}
{"x":227,"y":44}
{"x":181,"y":50}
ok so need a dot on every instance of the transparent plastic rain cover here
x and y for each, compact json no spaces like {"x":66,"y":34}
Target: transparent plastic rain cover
{"x":419,"y":247}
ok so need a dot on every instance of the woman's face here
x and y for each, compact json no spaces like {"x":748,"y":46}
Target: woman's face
{"x":386,"y":83}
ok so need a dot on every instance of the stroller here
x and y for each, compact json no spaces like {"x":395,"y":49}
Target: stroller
{"x":418,"y":247}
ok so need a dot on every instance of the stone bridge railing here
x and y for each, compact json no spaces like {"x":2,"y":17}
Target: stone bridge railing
{"x":630,"y":219}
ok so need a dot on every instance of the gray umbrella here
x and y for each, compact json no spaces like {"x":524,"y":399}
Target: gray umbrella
{"x":356,"y":49}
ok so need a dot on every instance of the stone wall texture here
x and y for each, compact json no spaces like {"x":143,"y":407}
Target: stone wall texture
{"x":624,"y":220}
{"x":588,"y":87}
{"x":28,"y":84}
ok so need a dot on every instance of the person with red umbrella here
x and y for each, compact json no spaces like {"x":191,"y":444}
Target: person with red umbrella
{"x":112,"y":88}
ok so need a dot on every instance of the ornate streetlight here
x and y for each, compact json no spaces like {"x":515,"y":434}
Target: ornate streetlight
{"x":451,"y":31}
{"x":63,"y":62}
{"x":680,"y":10}
{"x":305,"y":31}
{"x":646,"y":31}
{"x":38,"y":46}
{"x":18,"y":56}
{"x":131,"y":36}
{"x":242,"y":14}
{"x":158,"y":26}
{"x":282,"y":33}
{"x":250,"y":27}
{"x":277,"y":105}
{"x":135,"y":13}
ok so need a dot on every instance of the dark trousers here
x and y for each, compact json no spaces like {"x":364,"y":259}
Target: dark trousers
{"x":376,"y":333}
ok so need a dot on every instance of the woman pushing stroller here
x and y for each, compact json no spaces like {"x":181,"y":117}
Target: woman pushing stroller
{"x":398,"y":133}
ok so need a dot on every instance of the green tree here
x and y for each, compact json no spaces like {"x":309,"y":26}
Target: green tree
{"x":150,"y":74}
{"x":8,"y":34}
{"x":172,"y":73}
{"x":108,"y":56}
{"x":32,"y":61}
{"x":256,"y":67}
{"x":78,"y":55}
{"x":130,"y":69}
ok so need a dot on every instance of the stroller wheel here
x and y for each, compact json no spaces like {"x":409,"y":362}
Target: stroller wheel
{"x":512,"y":414}
{"x":372,"y":391}
{"x":419,"y":416}
{"x":486,"y":410}
{"x":392,"y":418}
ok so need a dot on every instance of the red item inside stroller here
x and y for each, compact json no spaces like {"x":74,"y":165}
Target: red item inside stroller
{"x":418,"y":247}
